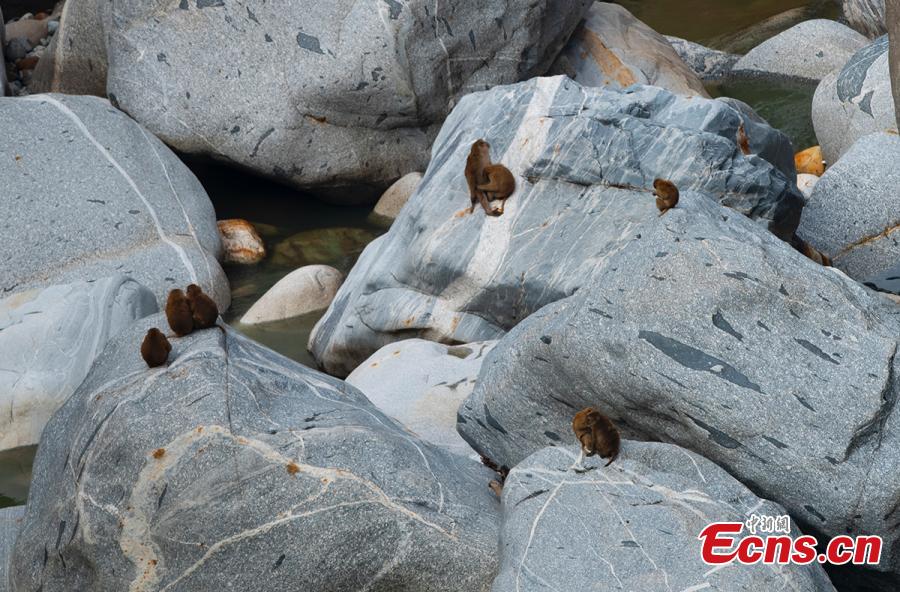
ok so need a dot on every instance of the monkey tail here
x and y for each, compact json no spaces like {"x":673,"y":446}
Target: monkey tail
{"x":614,"y":457}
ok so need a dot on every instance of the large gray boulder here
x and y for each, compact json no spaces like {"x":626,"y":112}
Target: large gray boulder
{"x":808,"y":51}
{"x":866,"y":16}
{"x":89,"y":193}
{"x":852,"y":214}
{"x":708,"y":333}
{"x":10,"y":522}
{"x":340,"y":97}
{"x":630,"y":526}
{"x":421,"y":384}
{"x":709,"y":64}
{"x":613,"y":48}
{"x":48,"y":341}
{"x":854,"y":101}
{"x":236,"y":468}
{"x":893,"y":18}
{"x":75,"y":60}
{"x":584,"y":161}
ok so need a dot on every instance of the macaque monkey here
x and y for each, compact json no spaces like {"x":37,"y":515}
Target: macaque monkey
{"x":596,"y":434}
{"x":178,"y":313}
{"x":487,"y":182}
{"x":203,"y":309}
{"x":666,"y":195}
{"x":155,"y":348}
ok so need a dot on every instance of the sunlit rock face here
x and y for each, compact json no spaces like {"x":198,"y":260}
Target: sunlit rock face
{"x":340,"y":97}
{"x":709,"y":333}
{"x":233,"y":467}
{"x":584,"y":160}
{"x":630,"y":526}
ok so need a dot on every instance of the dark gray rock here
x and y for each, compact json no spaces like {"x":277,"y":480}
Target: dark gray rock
{"x":17,"y":48}
{"x":4,"y":83}
{"x":710,"y":65}
{"x":88,"y":193}
{"x":708,"y":333}
{"x":584,"y":160}
{"x":808,"y":51}
{"x":854,"y":101}
{"x":866,"y":16}
{"x":10,"y":522}
{"x":322,"y":95}
{"x":236,"y":468}
{"x":613,"y":48}
{"x":630,"y":526}
{"x":852,"y":214}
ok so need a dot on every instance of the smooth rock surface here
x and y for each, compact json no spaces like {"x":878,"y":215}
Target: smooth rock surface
{"x":630,"y":526}
{"x":338,"y":97}
{"x":393,"y":200}
{"x":810,"y":161}
{"x":31,"y":29}
{"x":10,"y":522}
{"x":709,"y":64}
{"x":613,"y":48}
{"x":89,"y":193}
{"x":302,"y":291}
{"x":445,"y":275}
{"x":48,"y":341}
{"x":866,"y":16}
{"x":421,"y":384}
{"x":808,"y":51}
{"x":806,"y":183}
{"x":236,"y":468}
{"x":241,"y":243}
{"x":75,"y":62}
{"x":854,"y":101}
{"x":852,"y":214}
{"x":713,"y":335}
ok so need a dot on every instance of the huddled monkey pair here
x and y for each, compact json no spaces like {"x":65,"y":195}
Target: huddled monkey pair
{"x":195,"y":310}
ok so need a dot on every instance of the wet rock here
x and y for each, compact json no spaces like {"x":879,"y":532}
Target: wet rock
{"x":713,"y":335}
{"x":300,"y":292}
{"x":354,"y":111}
{"x":584,"y":160}
{"x":10,"y":522}
{"x":640,"y":517}
{"x":709,"y":64}
{"x":741,"y":42}
{"x":31,"y":29}
{"x":613,"y":48}
{"x":48,"y":341}
{"x":810,"y":161}
{"x":327,"y":246}
{"x":76,"y":62}
{"x":854,"y":101}
{"x":234,"y":467}
{"x":808,"y":51}
{"x":421,"y":384}
{"x":397,"y":195}
{"x":806,"y":183}
{"x":241,"y":243}
{"x":852,"y":214}
{"x":866,"y":16}
{"x":99,"y":195}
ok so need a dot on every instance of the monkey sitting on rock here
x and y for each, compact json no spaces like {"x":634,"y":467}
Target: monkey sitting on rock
{"x":596,"y":434}
{"x":178,"y":313}
{"x":155,"y":348}
{"x":487,"y":182}
{"x":666,"y":195}
{"x":204,"y":311}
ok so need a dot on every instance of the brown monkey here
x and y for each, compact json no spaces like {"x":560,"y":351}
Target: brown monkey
{"x":203,"y":308}
{"x":743,"y":140}
{"x":487,"y":182}
{"x":155,"y":348}
{"x":666,"y":195}
{"x":178,"y":313}
{"x":597,"y":434}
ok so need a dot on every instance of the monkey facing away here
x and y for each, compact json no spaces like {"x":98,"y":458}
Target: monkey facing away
{"x":597,"y":434}
{"x":487,"y":181}
{"x":204,"y":311}
{"x":155,"y":348}
{"x":666,"y":195}
{"x":178,"y":313}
